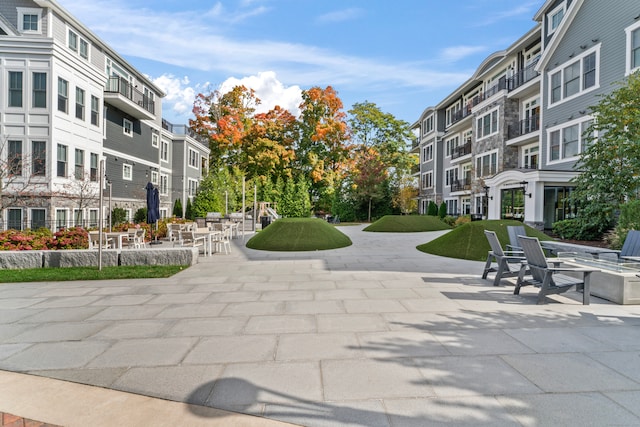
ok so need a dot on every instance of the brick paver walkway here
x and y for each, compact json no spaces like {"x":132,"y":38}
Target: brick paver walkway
{"x":10,"y":420}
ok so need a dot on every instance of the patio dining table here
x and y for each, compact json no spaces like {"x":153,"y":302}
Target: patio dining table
{"x":209,"y":235}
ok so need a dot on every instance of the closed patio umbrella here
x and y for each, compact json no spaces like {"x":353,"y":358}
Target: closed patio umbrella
{"x":153,"y":206}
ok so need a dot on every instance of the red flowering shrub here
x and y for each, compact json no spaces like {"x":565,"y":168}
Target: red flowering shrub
{"x":71,"y":238}
{"x":42,"y":239}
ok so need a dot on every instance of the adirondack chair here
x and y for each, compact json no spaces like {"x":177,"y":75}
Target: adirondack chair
{"x":508,"y":261}
{"x":514,"y":231}
{"x":548,"y":278}
{"x":630,"y":248}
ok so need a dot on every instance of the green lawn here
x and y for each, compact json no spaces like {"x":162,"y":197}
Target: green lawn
{"x":89,"y":273}
{"x":469,"y":242}
{"x":407,"y":224}
{"x":299,"y":234}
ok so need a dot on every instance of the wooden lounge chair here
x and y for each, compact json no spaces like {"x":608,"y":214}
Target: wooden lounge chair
{"x":514,"y":231}
{"x":508,"y":261}
{"x":548,"y":278}
{"x":630,"y":248}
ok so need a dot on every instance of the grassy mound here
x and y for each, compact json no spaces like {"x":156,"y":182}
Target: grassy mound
{"x":407,"y":224}
{"x":299,"y":234}
{"x":469,"y":242}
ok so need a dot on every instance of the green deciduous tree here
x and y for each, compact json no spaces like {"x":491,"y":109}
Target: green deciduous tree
{"x":610,"y":165}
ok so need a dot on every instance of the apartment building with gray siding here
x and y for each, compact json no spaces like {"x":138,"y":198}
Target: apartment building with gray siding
{"x":526,"y":108}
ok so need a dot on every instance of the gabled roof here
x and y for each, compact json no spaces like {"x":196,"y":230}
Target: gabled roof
{"x":6,"y":27}
{"x":543,"y":9}
{"x":559,"y":34}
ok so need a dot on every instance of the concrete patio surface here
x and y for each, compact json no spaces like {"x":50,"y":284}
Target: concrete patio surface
{"x":375,"y":334}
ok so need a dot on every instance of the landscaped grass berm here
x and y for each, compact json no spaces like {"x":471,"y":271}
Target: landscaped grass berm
{"x":407,"y":224}
{"x":469,"y":242}
{"x":299,"y":234}
{"x":89,"y":273}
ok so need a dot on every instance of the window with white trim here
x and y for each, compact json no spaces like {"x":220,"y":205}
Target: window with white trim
{"x":450,"y":176}
{"x":127,"y":172}
{"x":194,"y":158}
{"x":154,"y":140}
{"x":93,"y":167}
{"x":61,"y":218}
{"x":127,"y":127}
{"x":487,"y":164}
{"x":15,"y":89}
{"x":164,"y":151}
{"x":62,"y":160}
{"x":570,"y":80}
{"x":567,"y":141}
{"x":95,"y":110}
{"x":84,"y":49}
{"x":427,"y":153}
{"x":451,"y":112}
{"x":164,"y":184}
{"x":427,"y":125}
{"x":79,"y":103}
{"x":427,"y":180}
{"x":452,"y":206}
{"x":63,"y":95}
{"x":530,"y":156}
{"x":192,"y":187}
{"x":72,"y":41}
{"x":633,"y":48}
{"x":487,"y":124}
{"x":467,"y":136}
{"x":154,"y":177}
{"x":79,"y":166}
{"x":451,"y":144}
{"x":39,"y":99}
{"x":14,"y":157}
{"x":29,"y":20}
{"x":554,"y":18}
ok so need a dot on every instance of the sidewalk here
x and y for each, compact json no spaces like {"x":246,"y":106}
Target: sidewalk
{"x":376,"y":334}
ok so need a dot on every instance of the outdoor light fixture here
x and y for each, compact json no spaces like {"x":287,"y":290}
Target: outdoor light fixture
{"x":486,"y":192}
{"x":524,"y":185}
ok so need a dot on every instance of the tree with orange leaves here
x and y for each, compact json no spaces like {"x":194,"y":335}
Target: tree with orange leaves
{"x":268,"y":147}
{"x":322,"y":151}
{"x":225,"y":118}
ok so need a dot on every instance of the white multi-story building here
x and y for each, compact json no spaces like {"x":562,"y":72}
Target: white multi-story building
{"x":68,"y":102}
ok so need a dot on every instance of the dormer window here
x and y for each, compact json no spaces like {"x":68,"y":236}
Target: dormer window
{"x":29,"y":20}
{"x":554,"y":18}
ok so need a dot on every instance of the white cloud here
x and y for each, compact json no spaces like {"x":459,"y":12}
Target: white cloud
{"x":269,"y":90}
{"x":340,"y":15}
{"x":179,"y":95}
{"x":525,"y":9}
{"x":456,"y":53}
{"x":161,"y":37}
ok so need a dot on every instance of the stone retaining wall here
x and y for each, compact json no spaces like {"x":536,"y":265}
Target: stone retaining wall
{"x":89,"y":258}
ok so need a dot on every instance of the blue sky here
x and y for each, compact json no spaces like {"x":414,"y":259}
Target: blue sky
{"x":403,"y":55}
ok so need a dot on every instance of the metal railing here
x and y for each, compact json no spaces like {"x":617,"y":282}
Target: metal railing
{"x":126,"y":89}
{"x":523,"y":76}
{"x":461,"y":150}
{"x":524,"y":127}
{"x":461,"y":185}
{"x":183,"y":130}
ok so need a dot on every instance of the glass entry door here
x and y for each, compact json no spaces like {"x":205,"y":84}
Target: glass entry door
{"x":512,"y":203}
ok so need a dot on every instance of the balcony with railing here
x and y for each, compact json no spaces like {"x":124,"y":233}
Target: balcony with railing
{"x":123,"y":95}
{"x":183,"y":130}
{"x":523,"y":76}
{"x":461,"y":185}
{"x":524,"y":127}
{"x":461,"y":151}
